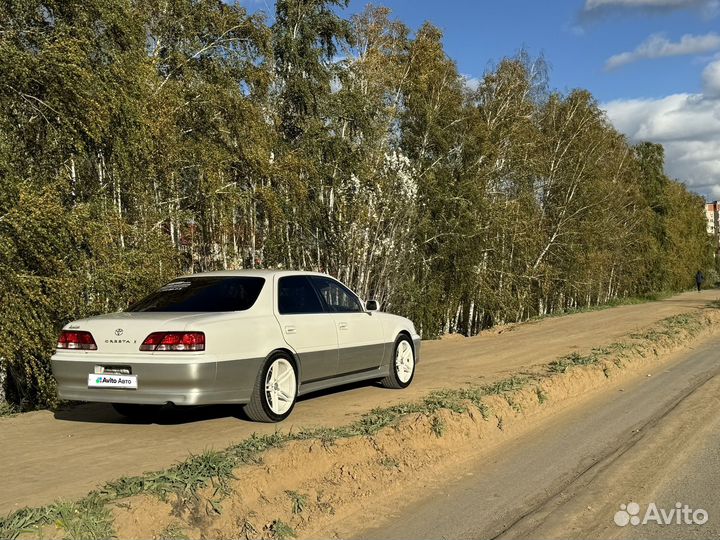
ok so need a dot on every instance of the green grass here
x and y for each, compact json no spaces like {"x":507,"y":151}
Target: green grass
{"x":389,"y":462}
{"x":6,"y":409}
{"x":670,"y":328}
{"x":89,"y":520}
{"x":299,"y":501}
{"x":437,"y":426}
{"x":25,"y":521}
{"x":89,"y":517}
{"x":281,"y":530}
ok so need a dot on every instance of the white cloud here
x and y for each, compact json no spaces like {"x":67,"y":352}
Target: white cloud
{"x":658,"y":46}
{"x":594,"y":4}
{"x":592,"y":9}
{"x":711,"y":79}
{"x":470,"y":82}
{"x":687,"y":125}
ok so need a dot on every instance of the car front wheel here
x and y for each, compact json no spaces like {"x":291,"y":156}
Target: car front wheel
{"x":402,"y":369}
{"x":275,"y":390}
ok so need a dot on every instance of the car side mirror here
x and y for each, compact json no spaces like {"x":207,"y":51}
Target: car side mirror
{"x":372,"y":305}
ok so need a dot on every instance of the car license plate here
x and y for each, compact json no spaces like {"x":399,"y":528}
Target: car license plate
{"x":96,"y":380}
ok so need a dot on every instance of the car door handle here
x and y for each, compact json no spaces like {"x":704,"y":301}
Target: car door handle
{"x":289,"y":329}
{"x":342,"y":326}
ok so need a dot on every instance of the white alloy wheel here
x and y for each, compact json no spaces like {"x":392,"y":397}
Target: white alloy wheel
{"x":404,"y":361}
{"x":280,"y":386}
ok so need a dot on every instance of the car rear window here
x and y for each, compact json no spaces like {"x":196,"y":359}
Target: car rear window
{"x":203,"y":294}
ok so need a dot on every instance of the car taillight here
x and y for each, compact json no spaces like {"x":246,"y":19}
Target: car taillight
{"x":174,"y":341}
{"x":75,"y":340}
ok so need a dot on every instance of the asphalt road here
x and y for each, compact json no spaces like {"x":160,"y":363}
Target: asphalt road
{"x":46,"y":455}
{"x":656,"y":440}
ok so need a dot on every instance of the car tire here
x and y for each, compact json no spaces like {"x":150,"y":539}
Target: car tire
{"x":275,"y":391}
{"x":134,"y":410}
{"x":402,"y":368}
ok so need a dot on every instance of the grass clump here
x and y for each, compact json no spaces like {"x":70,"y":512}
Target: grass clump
{"x":26,"y":520}
{"x":437,"y":426}
{"x":87,"y":519}
{"x":575,"y":359}
{"x":7,"y":409}
{"x":280,"y":530}
{"x":389,"y":462}
{"x":299,"y":501}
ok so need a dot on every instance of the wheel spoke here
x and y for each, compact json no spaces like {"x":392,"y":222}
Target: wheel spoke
{"x":284,"y":377}
{"x":404,"y":361}
{"x":280,"y":386}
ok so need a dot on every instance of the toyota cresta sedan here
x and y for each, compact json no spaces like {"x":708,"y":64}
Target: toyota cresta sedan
{"x":259,"y":338}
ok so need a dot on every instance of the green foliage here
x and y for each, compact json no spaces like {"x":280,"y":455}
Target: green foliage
{"x":140,"y":140}
{"x":299,"y":501}
{"x":389,"y":462}
{"x":7,"y":409}
{"x":84,"y":520}
{"x":280,"y":530}
{"x":437,"y":426}
{"x":88,"y":518}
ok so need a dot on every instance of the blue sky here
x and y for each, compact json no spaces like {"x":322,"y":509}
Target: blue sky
{"x":575,"y":44}
{"x":654,"y":65}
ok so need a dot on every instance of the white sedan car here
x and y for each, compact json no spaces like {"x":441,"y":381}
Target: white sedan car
{"x":259,"y":338}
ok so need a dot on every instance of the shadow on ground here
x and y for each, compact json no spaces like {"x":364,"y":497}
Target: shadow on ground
{"x":103,"y":413}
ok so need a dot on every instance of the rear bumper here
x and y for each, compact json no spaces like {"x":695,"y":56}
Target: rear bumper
{"x":182,"y":382}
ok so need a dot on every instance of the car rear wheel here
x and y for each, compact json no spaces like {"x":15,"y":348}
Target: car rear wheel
{"x":275,"y":390}
{"x":402,"y":369}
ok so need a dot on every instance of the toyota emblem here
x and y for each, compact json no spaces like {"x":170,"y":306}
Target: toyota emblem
{"x":119,"y":332}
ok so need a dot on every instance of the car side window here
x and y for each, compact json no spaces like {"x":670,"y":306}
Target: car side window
{"x":336,"y":296}
{"x":296,"y":295}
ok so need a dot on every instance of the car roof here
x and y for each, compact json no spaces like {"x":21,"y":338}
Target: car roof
{"x":256,"y":272}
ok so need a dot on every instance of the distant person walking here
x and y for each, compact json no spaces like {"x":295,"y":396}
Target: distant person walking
{"x":699,"y":278}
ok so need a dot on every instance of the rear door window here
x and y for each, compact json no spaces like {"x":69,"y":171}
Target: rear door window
{"x":209,"y":294}
{"x":296,"y":295}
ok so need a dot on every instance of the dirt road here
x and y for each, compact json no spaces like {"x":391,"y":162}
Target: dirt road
{"x":654,"y":440}
{"x":44,"y":456}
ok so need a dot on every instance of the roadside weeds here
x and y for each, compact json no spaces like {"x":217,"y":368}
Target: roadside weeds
{"x":235,"y":492}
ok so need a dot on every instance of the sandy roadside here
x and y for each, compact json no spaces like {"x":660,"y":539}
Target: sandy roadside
{"x":44,"y":455}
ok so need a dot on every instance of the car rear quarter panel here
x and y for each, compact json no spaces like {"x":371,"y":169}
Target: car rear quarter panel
{"x":240,"y":346}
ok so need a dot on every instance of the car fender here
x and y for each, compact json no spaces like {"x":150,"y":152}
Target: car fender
{"x":393,"y":326}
